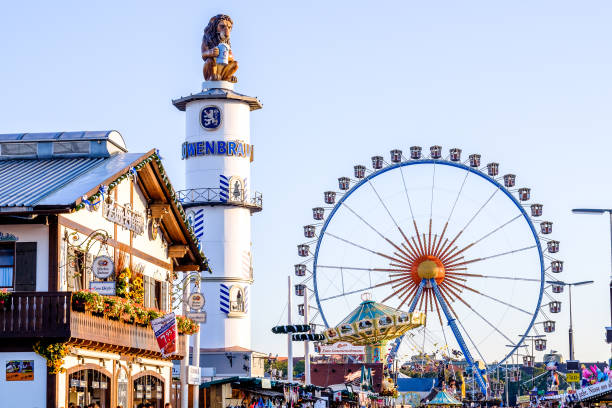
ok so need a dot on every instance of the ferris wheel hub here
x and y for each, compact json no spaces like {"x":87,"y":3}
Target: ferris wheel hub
{"x":428,"y":267}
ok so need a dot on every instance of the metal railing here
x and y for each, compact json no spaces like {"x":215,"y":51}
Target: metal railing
{"x":219,"y":195}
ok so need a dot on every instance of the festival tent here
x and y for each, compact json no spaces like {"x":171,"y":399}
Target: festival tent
{"x":443,"y":398}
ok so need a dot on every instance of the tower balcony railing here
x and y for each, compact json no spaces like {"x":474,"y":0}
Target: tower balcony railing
{"x":218,"y":196}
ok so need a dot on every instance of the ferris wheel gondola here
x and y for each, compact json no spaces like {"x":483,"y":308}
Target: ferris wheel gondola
{"x":452,"y":239}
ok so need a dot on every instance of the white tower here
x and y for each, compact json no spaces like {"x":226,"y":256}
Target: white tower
{"x":219,"y":202}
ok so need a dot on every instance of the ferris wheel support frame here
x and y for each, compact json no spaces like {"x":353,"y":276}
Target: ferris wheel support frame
{"x":369,"y":177}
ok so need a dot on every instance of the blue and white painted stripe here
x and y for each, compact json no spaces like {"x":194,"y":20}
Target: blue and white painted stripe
{"x":224,"y":188}
{"x":224,"y":298}
{"x":246,"y":299}
{"x":198,"y":226}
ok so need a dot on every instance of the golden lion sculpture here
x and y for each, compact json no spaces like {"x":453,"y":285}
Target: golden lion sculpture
{"x":219,"y":62}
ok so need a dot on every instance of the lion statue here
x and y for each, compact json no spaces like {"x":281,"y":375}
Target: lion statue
{"x":219,"y":62}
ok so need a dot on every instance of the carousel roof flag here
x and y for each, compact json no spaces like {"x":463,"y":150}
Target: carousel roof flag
{"x":449,"y":236}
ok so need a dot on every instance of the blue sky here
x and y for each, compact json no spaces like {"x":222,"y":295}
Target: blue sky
{"x":526,"y":84}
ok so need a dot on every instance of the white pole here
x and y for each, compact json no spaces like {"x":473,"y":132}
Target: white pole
{"x":306,"y":343}
{"x":196,"y":356}
{"x":289,"y":341}
{"x":185,"y":361}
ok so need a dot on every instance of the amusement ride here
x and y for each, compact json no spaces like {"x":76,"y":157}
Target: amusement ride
{"x":434,"y":235}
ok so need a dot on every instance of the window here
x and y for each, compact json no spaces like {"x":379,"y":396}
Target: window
{"x":89,"y":386}
{"x":18,"y":149}
{"x":7,"y":264}
{"x":70,"y":147}
{"x":148,"y":389}
{"x":18,"y":265}
{"x":155,"y":293}
{"x":78,"y":266}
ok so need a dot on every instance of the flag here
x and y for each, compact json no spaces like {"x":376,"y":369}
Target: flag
{"x":165,"y":333}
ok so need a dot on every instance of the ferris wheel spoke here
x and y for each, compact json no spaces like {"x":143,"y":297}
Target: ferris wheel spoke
{"x":475,"y":275}
{"x":405,"y":288}
{"x":444,"y":251}
{"x":492,"y":256}
{"x":364,"y":248}
{"x":452,"y":256}
{"x":355,"y":268}
{"x":504,"y":303}
{"x":378,"y":232}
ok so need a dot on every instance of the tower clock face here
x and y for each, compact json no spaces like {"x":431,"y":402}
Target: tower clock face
{"x":210,"y":117}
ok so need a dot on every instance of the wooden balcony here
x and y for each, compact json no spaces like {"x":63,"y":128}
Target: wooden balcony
{"x":37,"y":315}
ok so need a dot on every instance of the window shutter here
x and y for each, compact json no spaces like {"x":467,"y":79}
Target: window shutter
{"x":25,"y":267}
{"x":164,"y":296}
{"x":147,"y":290}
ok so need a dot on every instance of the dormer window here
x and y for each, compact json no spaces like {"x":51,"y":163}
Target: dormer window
{"x":73,"y":147}
{"x":18,"y":149}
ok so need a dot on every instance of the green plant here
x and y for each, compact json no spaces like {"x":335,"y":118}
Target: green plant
{"x":5,"y":298}
{"x":54,"y":353}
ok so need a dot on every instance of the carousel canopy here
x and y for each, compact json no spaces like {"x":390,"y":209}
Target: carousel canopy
{"x":373,"y":322}
{"x":444,"y":398}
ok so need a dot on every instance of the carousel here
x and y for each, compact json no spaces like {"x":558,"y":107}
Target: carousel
{"x":373,"y":325}
{"x":443,"y":398}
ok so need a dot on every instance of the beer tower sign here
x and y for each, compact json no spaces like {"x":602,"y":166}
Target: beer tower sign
{"x":219,"y":198}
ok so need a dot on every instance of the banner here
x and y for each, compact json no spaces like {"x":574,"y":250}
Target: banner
{"x":594,"y":390}
{"x":165,"y":333}
{"x":342,"y":348}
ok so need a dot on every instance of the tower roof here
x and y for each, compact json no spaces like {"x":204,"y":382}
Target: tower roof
{"x":217,"y":93}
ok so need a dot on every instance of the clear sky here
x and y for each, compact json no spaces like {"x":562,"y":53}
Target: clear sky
{"x":524,"y":83}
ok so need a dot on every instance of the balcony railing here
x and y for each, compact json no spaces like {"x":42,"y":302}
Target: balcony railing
{"x":240,"y":197}
{"x":48,"y":315}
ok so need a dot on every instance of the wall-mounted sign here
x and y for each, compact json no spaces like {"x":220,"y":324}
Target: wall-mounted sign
{"x":196,"y":301}
{"x":102,"y":267}
{"x":198,"y":317}
{"x":341,"y":347}
{"x":20,"y":370}
{"x":103,"y":288}
{"x":123,"y":216}
{"x":217,"y":148}
{"x":210,"y":117}
{"x":193,"y":375}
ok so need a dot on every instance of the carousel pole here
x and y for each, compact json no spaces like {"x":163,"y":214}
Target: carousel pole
{"x":289,"y":341}
{"x":306,"y":343}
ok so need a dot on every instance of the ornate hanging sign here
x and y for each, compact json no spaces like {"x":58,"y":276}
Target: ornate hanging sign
{"x":196,"y":301}
{"x":102,"y":267}
{"x":124,"y":216}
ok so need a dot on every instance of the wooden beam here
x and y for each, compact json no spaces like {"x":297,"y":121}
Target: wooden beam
{"x":115,"y":244}
{"x":158,"y":210}
{"x":177,"y":251}
{"x":187,"y":268}
{"x":54,"y":253}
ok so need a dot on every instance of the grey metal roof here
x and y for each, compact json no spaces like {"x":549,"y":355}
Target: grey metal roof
{"x":217,"y":93}
{"x":25,"y":182}
{"x":88,"y":180}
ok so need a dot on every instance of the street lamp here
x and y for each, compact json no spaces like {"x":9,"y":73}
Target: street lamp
{"x":571,"y":331}
{"x":602,"y":211}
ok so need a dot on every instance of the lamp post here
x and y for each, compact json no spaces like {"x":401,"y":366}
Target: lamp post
{"x":571,"y":330}
{"x":602,"y":211}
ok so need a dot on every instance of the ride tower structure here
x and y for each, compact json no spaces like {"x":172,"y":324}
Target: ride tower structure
{"x":219,"y":201}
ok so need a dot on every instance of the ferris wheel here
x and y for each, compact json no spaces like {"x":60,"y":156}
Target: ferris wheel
{"x":453,"y":239}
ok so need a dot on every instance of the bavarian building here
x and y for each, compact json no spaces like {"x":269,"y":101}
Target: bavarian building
{"x":91,"y":237}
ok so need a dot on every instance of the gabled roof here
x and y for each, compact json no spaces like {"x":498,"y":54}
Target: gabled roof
{"x":25,"y":183}
{"x":58,"y":185}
